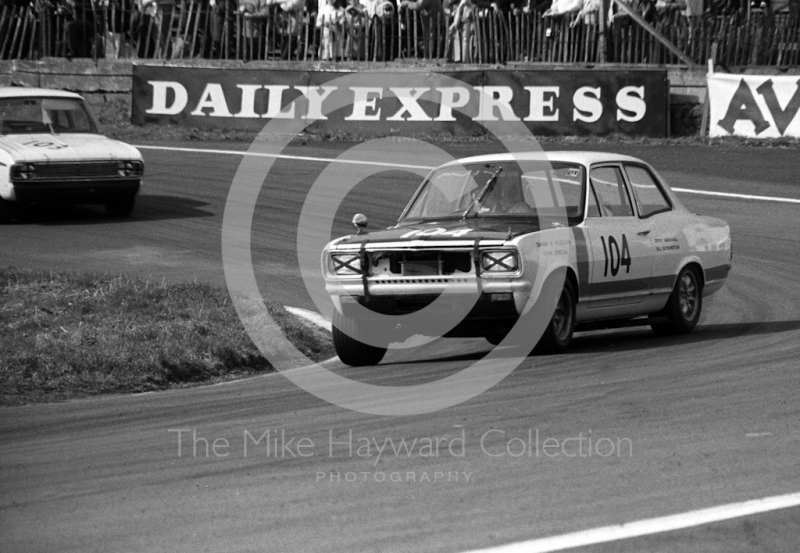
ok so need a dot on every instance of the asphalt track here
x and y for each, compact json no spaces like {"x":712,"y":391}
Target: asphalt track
{"x":690,"y":423}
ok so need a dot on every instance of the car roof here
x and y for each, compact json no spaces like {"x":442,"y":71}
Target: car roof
{"x":26,"y":92}
{"x":582,"y":157}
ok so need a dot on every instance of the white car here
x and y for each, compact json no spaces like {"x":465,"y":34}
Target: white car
{"x":52,"y":152}
{"x":593,"y":240}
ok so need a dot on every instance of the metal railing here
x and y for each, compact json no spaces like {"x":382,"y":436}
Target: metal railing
{"x":193,"y":29}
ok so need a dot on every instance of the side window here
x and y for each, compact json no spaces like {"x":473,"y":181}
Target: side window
{"x":611,"y":193}
{"x":649,"y":197}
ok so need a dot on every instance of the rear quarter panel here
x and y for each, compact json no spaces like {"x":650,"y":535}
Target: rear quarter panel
{"x":684,"y":238}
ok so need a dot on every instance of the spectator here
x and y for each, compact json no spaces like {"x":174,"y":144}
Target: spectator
{"x":166,"y":19}
{"x":329,"y":20}
{"x":293,"y":11}
{"x":381,"y":23}
{"x":432,"y":17}
{"x":354,"y":21}
{"x":254,"y":14}
{"x":80,"y":27}
{"x":144,"y":30}
{"x":222,"y":28}
{"x":491,"y":13}
{"x":461,"y":33}
{"x":117,"y":26}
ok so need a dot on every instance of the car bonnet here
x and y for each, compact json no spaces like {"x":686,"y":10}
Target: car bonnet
{"x":65,"y":147}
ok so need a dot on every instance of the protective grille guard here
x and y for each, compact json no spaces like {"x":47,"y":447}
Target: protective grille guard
{"x":476,"y":258}
{"x":364,"y":269}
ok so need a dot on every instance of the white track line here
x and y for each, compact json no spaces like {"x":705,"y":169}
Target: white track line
{"x":648,"y":526}
{"x":403,"y":166}
{"x":284,"y":156}
{"x":739,"y":196}
{"x":311,"y":316}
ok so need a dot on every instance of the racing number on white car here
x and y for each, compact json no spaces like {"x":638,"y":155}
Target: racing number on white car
{"x":44,"y":144}
{"x":614,"y":257}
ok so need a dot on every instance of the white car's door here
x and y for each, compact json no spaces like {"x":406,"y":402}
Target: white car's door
{"x":621,"y":249}
{"x":654,"y":206}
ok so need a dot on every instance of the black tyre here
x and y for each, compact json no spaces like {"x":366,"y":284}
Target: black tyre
{"x":120,"y":207}
{"x":6,"y":211}
{"x":558,"y":335}
{"x":495,"y":338}
{"x":351,"y":351}
{"x":684,"y":305}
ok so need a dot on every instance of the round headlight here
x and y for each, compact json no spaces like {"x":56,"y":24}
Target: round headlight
{"x":125,"y":168}
{"x":24,"y":171}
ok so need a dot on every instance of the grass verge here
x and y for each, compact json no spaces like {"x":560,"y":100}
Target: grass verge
{"x":155,"y":133}
{"x":74,"y":335}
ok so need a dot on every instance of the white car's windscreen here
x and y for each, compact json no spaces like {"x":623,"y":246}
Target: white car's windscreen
{"x":44,"y":115}
{"x":501,"y":189}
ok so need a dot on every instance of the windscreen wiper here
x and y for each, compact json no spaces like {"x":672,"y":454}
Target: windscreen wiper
{"x":483,"y":193}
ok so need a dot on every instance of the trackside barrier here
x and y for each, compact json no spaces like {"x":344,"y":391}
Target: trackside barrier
{"x":548,"y":102}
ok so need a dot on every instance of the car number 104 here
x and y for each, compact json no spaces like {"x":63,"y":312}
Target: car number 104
{"x":614,"y":258}
{"x":437,"y":232}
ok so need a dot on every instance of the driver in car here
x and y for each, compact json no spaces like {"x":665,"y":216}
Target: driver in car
{"x":511,"y":199}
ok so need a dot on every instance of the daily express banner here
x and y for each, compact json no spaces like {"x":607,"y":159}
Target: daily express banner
{"x":405,"y":103}
{"x":756,"y":106}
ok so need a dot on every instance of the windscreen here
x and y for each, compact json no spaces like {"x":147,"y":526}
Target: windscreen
{"x":501,"y":189}
{"x":44,"y":115}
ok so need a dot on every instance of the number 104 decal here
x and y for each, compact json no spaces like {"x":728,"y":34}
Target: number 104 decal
{"x":614,"y":257}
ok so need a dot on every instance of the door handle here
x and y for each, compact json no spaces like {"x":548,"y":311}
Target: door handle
{"x":643,"y":233}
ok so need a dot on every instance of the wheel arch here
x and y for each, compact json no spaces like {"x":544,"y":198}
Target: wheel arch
{"x":573,"y":278}
{"x":698,"y":267}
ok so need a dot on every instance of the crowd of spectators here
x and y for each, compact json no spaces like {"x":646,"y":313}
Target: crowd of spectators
{"x":147,"y":28}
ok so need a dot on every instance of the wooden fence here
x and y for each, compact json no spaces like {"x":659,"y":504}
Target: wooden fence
{"x":192,"y":29}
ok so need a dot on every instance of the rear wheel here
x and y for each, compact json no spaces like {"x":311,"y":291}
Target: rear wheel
{"x":558,"y":335}
{"x":350,"y":350}
{"x":120,"y":207}
{"x":684,"y":305}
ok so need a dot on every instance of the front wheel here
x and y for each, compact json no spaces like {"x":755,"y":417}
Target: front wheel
{"x":6,"y":210}
{"x":558,"y":335}
{"x":350,"y":350}
{"x":684,"y":305}
{"x":120,"y":207}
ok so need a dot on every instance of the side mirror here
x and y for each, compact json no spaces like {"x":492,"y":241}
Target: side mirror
{"x":360,"y":222}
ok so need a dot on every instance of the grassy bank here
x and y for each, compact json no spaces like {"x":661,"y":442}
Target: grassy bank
{"x":153,"y":133}
{"x":64,"y":336}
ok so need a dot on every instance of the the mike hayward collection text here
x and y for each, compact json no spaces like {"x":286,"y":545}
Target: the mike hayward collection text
{"x":281,"y":443}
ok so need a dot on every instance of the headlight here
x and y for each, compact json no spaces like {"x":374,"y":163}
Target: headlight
{"x":23,"y":171}
{"x":499,"y":261}
{"x":130,"y":168}
{"x":345,"y":264}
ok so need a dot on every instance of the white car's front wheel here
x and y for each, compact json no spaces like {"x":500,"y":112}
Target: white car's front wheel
{"x":558,"y":335}
{"x":120,"y":207}
{"x":6,"y":210}
{"x":351,"y":351}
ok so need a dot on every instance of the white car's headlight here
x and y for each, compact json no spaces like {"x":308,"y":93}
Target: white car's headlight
{"x":130,"y":168}
{"x":23,"y":171}
{"x":499,"y":261}
{"x":345,"y":264}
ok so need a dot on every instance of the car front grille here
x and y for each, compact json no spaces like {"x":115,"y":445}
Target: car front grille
{"x":420,"y":264}
{"x":75,"y":171}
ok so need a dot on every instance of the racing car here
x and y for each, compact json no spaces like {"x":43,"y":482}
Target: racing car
{"x":490,"y":244}
{"x":52,"y":152}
